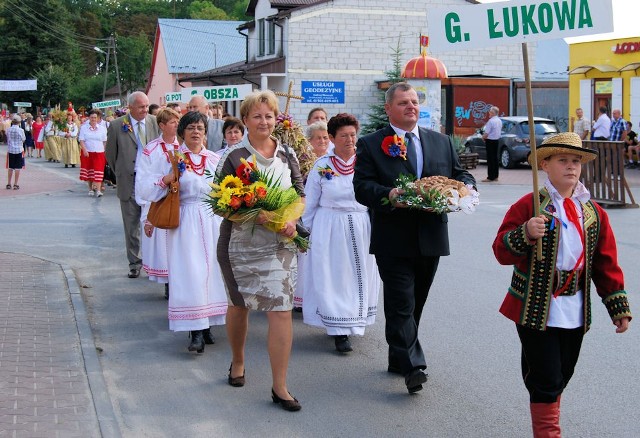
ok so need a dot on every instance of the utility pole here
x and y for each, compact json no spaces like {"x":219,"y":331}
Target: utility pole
{"x":115,"y":59}
{"x":106,"y":70}
{"x":111,"y":45}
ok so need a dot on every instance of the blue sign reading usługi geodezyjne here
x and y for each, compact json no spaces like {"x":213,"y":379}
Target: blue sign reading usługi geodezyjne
{"x":322,"y":92}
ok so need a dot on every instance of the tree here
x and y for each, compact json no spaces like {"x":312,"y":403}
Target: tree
{"x":134,"y":59}
{"x":203,"y":10}
{"x":377,"y":116}
{"x":53,"y":86}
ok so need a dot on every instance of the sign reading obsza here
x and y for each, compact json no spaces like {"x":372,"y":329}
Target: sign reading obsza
{"x":322,"y":92}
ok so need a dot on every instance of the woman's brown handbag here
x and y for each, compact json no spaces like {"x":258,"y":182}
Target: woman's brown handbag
{"x":165,"y":213}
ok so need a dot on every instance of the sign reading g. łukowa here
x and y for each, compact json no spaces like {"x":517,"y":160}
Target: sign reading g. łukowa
{"x":517,"y":21}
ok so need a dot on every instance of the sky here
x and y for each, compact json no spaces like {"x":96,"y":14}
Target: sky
{"x":626,"y":22}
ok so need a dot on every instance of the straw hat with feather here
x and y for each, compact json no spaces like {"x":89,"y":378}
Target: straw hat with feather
{"x":563,"y":143}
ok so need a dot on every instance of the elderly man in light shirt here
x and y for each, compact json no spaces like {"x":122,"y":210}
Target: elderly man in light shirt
{"x":581,"y":125}
{"x":492,"y":132}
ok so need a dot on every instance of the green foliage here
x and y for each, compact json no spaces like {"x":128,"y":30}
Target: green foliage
{"x":37,"y":34}
{"x":85,"y":91}
{"x":377,"y":116}
{"x":203,"y":10}
{"x":134,"y":60}
{"x":458,"y":143}
{"x":53,"y":86}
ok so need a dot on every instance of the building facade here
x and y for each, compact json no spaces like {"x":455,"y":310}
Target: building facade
{"x":605,"y":73}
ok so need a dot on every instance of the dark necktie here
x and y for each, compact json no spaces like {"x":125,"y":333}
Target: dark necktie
{"x":412,"y":156}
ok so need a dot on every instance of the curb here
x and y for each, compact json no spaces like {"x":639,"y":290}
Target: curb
{"x":102,"y":403}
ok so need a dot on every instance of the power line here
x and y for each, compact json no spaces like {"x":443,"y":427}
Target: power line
{"x":50,"y":23}
{"x":63,"y":38}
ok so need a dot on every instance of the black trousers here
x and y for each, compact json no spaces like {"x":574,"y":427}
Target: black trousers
{"x":492,"y":159}
{"x":406,"y":284}
{"x":548,"y":360}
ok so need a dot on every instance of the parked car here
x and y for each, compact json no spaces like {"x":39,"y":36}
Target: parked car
{"x":513,"y":146}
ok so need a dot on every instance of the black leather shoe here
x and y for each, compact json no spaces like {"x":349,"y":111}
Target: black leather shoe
{"x":133,"y":273}
{"x":394,"y":369}
{"x":208,"y":337}
{"x":166,"y":291}
{"x":287,"y":405}
{"x":197,"y":342}
{"x":343,"y":345}
{"x":236,"y":382}
{"x":414,"y":380}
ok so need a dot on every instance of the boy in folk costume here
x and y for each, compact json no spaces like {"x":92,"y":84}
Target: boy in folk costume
{"x":549,"y":299}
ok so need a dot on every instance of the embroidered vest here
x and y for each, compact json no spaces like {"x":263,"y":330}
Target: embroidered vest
{"x":535,"y":287}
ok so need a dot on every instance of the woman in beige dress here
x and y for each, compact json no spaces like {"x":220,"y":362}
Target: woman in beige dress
{"x":69,"y":142}
{"x":257,"y":263}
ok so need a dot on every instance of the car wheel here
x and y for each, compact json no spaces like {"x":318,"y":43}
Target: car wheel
{"x":467,"y":149}
{"x":505,"y":159}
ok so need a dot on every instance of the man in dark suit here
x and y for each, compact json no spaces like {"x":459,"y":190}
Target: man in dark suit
{"x":126,"y":137}
{"x":407,"y":243}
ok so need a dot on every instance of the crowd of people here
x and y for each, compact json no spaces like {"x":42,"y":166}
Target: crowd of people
{"x":217,"y":268}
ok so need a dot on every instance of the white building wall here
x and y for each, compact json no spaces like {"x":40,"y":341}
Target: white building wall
{"x":354,"y":41}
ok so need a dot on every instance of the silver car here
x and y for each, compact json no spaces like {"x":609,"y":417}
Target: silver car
{"x":513,"y":146}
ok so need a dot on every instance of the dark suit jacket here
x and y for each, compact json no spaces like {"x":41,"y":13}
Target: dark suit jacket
{"x":403,"y":232}
{"x":121,"y":152}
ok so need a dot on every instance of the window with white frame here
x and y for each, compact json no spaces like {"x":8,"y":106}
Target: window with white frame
{"x":261,"y":37}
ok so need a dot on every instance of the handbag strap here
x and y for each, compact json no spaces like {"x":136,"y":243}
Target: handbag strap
{"x":174,"y":165}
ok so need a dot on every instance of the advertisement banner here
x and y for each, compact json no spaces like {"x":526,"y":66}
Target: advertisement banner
{"x":323,"y":92}
{"x":28,"y":85}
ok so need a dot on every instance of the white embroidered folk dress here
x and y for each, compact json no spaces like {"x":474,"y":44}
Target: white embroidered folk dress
{"x":340,"y":278}
{"x":197,"y":298}
{"x":154,"y":248}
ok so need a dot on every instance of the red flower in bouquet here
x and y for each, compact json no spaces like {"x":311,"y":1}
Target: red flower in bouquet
{"x":394,"y":146}
{"x":247,"y":171}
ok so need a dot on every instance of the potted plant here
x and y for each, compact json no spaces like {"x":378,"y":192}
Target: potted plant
{"x":469,"y":160}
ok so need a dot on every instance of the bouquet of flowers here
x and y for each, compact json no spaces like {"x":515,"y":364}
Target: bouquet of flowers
{"x":241,"y":197}
{"x":437,"y":194}
{"x":59,"y":118}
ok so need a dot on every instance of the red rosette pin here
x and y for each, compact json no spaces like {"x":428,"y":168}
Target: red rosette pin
{"x":394,"y":146}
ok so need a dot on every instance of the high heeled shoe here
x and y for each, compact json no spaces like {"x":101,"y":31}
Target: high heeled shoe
{"x":235,"y":381}
{"x":288,"y":405}
{"x":197,"y":341}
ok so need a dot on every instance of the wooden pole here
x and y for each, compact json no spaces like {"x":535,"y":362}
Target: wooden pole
{"x":532,"y":142}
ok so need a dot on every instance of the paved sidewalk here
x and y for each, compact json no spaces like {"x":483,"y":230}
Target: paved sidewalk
{"x":44,"y":386}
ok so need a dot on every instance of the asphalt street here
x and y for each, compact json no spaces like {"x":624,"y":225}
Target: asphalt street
{"x":157,"y":389}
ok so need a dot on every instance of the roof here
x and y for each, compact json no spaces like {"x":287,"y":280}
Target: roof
{"x":240,"y":69}
{"x":194,"y":46}
{"x":282,"y":5}
{"x":583,"y":69}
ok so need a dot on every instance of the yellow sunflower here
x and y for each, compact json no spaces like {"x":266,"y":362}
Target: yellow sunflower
{"x":231,"y":182}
